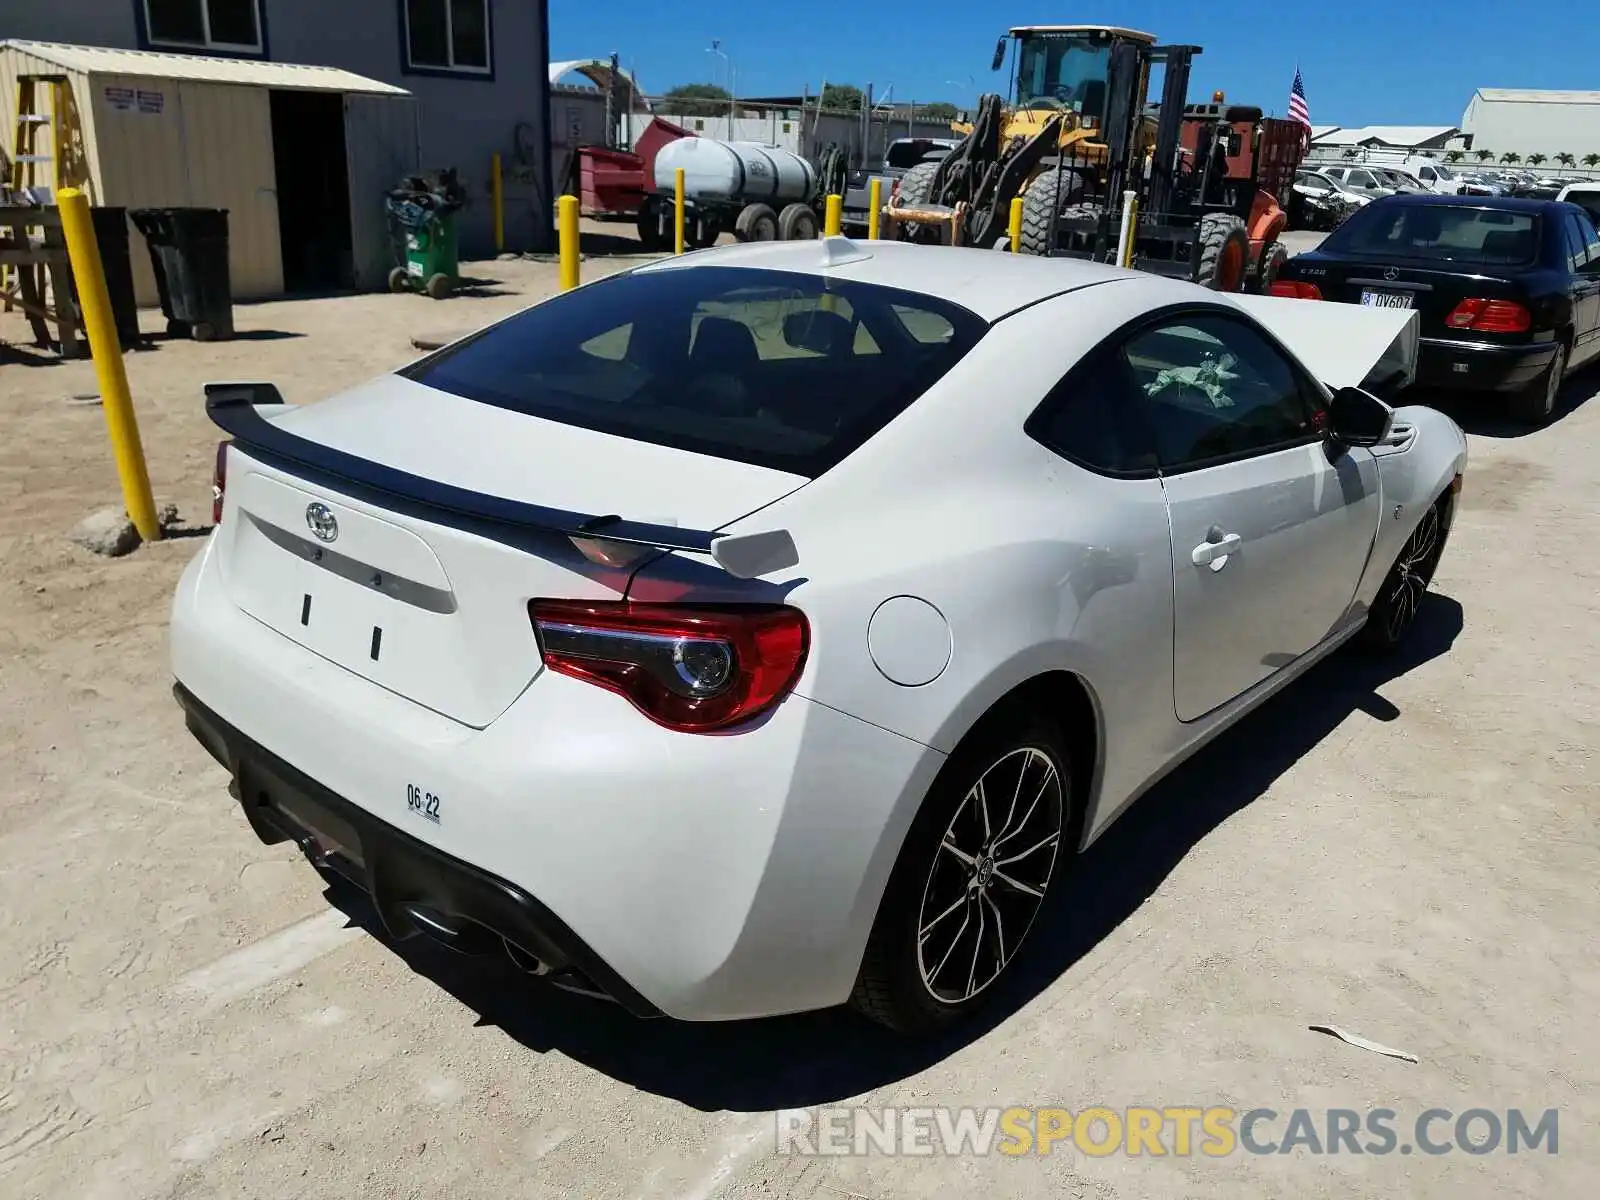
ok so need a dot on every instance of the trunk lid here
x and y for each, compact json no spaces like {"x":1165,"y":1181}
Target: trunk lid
{"x":432,"y":606}
{"x":1431,"y":289}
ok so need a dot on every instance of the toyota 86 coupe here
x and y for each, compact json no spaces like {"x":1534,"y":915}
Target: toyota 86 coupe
{"x":768,"y":628}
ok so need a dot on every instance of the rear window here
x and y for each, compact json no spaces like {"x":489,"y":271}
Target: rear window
{"x":902,"y":156}
{"x":775,"y":368}
{"x":1588,"y":201}
{"x":1439,"y":232}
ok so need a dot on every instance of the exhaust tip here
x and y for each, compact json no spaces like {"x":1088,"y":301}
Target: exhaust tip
{"x":530,"y":963}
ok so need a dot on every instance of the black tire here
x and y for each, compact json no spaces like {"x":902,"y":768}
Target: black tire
{"x":756,"y":223}
{"x":1039,"y":206}
{"x":1221,"y":253}
{"x":1535,"y":404}
{"x":399,"y":280}
{"x":648,"y":225}
{"x":1268,"y":267}
{"x":440,"y":286}
{"x":203,"y":331}
{"x":1400,"y":595}
{"x":1011,"y":749}
{"x":702,"y":232}
{"x":797,"y":223}
{"x":916,"y":185}
{"x":916,"y":189}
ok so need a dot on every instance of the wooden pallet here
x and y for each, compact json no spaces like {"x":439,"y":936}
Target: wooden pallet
{"x":39,"y":276}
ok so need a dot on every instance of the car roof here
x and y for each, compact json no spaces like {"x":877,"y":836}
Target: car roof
{"x":984,"y":282}
{"x":1505,"y":203}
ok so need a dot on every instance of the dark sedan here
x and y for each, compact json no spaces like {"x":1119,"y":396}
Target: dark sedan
{"x":1507,"y":290}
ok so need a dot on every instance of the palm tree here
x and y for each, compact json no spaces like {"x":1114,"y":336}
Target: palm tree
{"x":1352,"y":152}
{"x":1535,"y":159}
{"x":1453,"y":156}
{"x":1511,"y":157}
{"x":1591,"y":160}
{"x":1566,"y":160}
{"x":1484,"y":155}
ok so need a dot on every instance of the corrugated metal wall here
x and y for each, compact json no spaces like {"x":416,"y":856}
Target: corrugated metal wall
{"x":380,"y":136}
{"x":80,"y":125}
{"x":166,"y":143}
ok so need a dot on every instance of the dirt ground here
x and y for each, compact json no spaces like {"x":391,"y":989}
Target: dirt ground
{"x":1407,"y":851}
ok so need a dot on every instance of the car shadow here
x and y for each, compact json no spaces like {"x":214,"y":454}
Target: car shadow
{"x":1484,"y":413}
{"x":824,"y":1057}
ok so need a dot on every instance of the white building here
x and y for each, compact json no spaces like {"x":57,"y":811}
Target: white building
{"x":1422,"y":139}
{"x":1511,"y":120}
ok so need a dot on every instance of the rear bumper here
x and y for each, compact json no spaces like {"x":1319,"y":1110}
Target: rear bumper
{"x":415,"y":887}
{"x":707,"y":878}
{"x":1481,"y":366}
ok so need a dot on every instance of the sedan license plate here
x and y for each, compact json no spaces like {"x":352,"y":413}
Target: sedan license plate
{"x":1386,"y":299}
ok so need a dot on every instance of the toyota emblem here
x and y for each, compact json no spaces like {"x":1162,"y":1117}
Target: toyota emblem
{"x":321,"y":521}
{"x":1391,"y":273}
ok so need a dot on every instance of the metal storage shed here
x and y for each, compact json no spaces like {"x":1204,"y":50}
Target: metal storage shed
{"x":300,"y":156}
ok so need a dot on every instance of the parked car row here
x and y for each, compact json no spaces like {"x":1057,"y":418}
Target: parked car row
{"x":1507,"y":289}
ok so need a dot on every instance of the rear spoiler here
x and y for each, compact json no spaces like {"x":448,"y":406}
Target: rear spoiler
{"x":241,"y":411}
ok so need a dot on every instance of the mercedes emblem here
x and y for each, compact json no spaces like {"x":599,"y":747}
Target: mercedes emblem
{"x":1391,"y":273}
{"x":321,"y":521}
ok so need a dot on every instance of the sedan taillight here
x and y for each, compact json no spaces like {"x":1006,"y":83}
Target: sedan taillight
{"x":690,"y":668}
{"x":1490,"y":316}
{"x":219,"y":482}
{"x":1294,"y":289}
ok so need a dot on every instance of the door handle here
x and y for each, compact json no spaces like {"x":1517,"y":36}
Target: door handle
{"x":1213,"y":552}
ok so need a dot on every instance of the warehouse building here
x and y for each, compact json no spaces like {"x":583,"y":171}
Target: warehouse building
{"x":1515,"y":121}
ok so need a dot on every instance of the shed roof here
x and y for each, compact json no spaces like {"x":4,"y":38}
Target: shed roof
{"x":149,"y":64}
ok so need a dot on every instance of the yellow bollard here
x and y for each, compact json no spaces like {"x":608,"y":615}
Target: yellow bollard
{"x":677,"y":210}
{"x":497,"y":195}
{"x":101,"y":326}
{"x":567,"y":240}
{"x":834,"y":216}
{"x":874,"y":207}
{"x":1016,"y":225}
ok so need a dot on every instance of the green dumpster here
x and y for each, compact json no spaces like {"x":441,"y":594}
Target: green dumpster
{"x":422,"y":226}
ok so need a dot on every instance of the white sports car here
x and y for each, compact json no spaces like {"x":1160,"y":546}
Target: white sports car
{"x":767,"y":628}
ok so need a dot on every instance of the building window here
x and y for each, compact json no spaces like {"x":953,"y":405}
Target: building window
{"x":205,"y":24}
{"x":448,"y":35}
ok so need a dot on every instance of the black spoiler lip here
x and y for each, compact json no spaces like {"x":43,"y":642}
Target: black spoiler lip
{"x":232,"y":408}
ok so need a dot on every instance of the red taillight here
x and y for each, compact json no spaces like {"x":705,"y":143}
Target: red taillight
{"x":1490,"y":316}
{"x":689,"y":668}
{"x":219,"y":482}
{"x":1293,"y":289}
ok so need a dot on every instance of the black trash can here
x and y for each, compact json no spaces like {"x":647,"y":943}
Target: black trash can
{"x":111,"y":233}
{"x":189,"y":254}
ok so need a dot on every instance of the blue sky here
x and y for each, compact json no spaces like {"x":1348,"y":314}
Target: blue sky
{"x":1398,"y":62}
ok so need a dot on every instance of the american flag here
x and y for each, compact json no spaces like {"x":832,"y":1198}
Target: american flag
{"x":1297,"y":101}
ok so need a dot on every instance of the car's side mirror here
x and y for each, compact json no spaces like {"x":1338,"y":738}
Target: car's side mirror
{"x":1358,"y":418}
{"x":999,"y":55}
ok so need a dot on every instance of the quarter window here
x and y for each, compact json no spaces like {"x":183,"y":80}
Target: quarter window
{"x":1091,"y":418}
{"x":1577,"y":251}
{"x":204,"y":24}
{"x":448,"y":35}
{"x":1212,"y":388}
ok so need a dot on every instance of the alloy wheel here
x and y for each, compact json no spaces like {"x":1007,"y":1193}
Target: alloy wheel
{"x":989,"y":875}
{"x":1412,"y":573}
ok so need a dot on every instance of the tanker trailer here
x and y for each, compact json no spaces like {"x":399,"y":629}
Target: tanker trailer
{"x":761,"y":193}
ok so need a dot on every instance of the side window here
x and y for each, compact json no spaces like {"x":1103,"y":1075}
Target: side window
{"x":1213,"y":388}
{"x":1591,"y":238}
{"x":1576,"y":250}
{"x":1427,"y":175}
{"x":1362,"y":179}
{"x":1091,"y":418}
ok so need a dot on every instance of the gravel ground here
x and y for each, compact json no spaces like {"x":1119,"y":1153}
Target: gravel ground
{"x":1408,"y":852}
